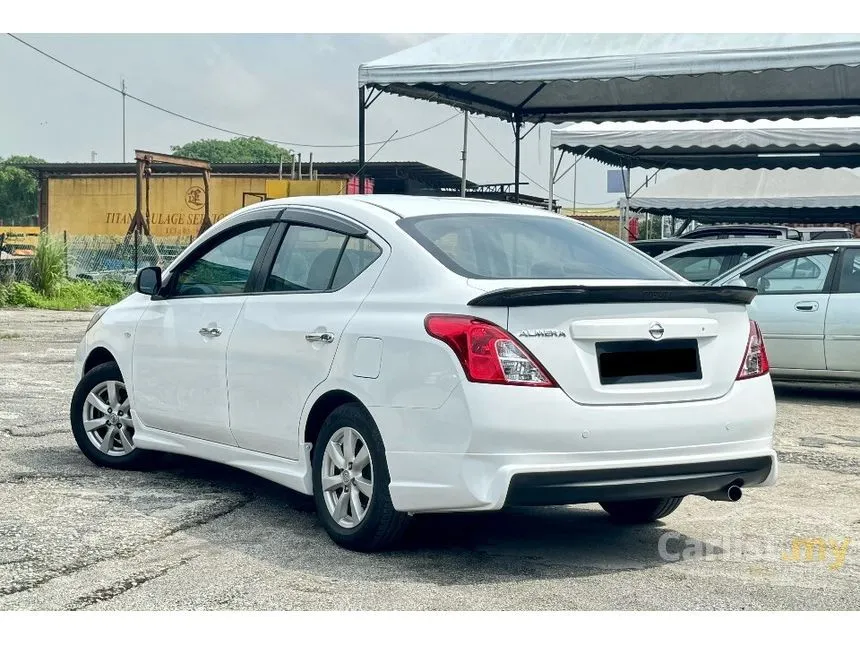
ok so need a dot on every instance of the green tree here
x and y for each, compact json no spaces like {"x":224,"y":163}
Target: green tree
{"x":238,"y":150}
{"x":19,"y":190}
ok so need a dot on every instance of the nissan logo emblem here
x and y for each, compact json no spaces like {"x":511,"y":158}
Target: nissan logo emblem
{"x":656,"y":331}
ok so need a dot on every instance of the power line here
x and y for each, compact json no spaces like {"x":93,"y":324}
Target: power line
{"x":511,"y":164}
{"x":218,"y":128}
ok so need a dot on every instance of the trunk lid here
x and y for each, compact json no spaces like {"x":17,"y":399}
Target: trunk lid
{"x":617,"y":343}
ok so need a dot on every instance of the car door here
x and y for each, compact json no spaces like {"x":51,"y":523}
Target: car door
{"x":321,"y":268}
{"x":180,"y":344}
{"x":842,"y":325}
{"x":794,"y":292}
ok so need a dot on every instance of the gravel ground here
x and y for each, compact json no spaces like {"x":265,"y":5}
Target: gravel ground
{"x":194,"y":535}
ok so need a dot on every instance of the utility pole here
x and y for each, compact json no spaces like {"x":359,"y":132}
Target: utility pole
{"x":93,"y":156}
{"x":122,"y":85}
{"x":465,"y":141}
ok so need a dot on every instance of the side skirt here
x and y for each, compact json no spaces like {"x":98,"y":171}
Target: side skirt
{"x":294,"y":474}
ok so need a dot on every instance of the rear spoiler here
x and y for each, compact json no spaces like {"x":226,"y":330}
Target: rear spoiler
{"x":582,"y":295}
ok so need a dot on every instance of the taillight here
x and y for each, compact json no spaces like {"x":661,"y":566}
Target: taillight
{"x":755,"y":358}
{"x":487,"y":352}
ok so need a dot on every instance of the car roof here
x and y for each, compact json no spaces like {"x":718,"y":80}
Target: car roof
{"x":665,"y":241}
{"x":811,"y":244}
{"x":730,"y":242}
{"x":739,"y":227}
{"x":403,"y":206}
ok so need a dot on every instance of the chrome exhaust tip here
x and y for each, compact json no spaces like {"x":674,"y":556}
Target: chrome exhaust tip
{"x":731,"y":493}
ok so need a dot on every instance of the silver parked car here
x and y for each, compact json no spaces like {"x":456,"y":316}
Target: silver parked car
{"x":808,"y":307}
{"x":703,"y":261}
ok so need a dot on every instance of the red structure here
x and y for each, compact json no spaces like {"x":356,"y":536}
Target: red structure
{"x":353,"y":185}
{"x":633,"y":229}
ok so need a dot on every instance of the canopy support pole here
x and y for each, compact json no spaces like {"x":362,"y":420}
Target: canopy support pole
{"x":518,"y":126}
{"x":362,"y":107}
{"x":622,"y":220}
{"x":552,"y":176}
{"x":465,"y":146}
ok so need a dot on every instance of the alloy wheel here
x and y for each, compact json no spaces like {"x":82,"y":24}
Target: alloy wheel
{"x":347,"y":477}
{"x":107,"y":419}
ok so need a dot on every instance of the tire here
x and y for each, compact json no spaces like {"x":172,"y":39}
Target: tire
{"x":373,"y":524}
{"x":641,"y":511}
{"x":100,"y":381}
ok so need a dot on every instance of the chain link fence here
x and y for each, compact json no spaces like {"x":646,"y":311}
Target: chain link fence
{"x":103,"y":257}
{"x":98,"y":257}
{"x":14,"y":269}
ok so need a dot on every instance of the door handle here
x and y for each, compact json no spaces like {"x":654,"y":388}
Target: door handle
{"x":323,"y":337}
{"x":210,"y":332}
{"x":806,"y":306}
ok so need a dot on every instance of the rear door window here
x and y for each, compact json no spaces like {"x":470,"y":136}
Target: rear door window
{"x":701,"y":265}
{"x":849,"y":279}
{"x":499,"y":247}
{"x":803,"y":274}
{"x":315,"y":259}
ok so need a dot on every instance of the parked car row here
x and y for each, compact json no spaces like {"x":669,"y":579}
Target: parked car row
{"x":805,"y":233}
{"x":808,"y":302}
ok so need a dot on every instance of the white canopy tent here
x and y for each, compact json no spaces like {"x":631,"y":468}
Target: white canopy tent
{"x":534,"y":78}
{"x":805,"y":143}
{"x":781,"y":195}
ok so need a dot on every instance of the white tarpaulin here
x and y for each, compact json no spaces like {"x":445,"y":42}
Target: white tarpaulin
{"x":821,"y":143}
{"x":704,"y":190}
{"x":598,"y":77}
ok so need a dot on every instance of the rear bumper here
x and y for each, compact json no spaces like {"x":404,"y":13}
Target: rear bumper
{"x":491,"y":446}
{"x":675,"y":480}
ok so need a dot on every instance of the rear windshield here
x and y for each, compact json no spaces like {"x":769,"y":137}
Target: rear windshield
{"x":522,"y":246}
{"x":829,"y":235}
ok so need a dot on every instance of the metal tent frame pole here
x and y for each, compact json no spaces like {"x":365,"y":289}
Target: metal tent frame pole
{"x":465,"y":150}
{"x":552,"y":177}
{"x":362,"y":108}
{"x":365,"y":100}
{"x":518,"y":126}
{"x":555,"y":177}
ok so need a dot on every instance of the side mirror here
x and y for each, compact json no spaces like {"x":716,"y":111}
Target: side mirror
{"x":148,"y":281}
{"x":737,"y":282}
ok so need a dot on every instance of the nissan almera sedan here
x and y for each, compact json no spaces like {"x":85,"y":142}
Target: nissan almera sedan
{"x":394,"y":355}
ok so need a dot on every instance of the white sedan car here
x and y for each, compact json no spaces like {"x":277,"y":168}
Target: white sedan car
{"x":808,"y":307}
{"x":397,"y":355}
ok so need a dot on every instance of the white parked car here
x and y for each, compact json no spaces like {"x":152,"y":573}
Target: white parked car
{"x":808,"y":307}
{"x":396,"y":355}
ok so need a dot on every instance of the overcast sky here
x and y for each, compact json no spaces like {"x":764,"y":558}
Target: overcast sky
{"x":296,"y":88}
